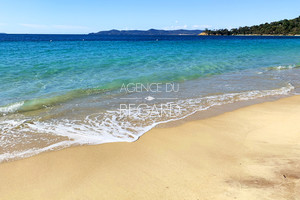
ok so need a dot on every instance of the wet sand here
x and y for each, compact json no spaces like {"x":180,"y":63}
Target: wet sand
{"x":249,"y":153}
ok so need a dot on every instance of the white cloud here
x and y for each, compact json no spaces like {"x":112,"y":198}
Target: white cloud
{"x":60,"y":27}
{"x":38,"y":26}
{"x":68,"y":27}
{"x":201,"y":26}
{"x":190,"y":27}
{"x":175,"y":27}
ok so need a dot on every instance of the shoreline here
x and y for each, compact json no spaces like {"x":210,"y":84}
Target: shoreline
{"x":221,"y":109}
{"x":197,"y":115}
{"x":248,"y":153}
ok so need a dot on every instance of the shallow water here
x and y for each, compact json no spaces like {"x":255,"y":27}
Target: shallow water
{"x":72,"y":92}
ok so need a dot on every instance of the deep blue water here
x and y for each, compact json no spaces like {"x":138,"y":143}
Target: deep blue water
{"x":94,"y":37}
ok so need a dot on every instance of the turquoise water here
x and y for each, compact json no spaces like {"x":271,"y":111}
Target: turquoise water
{"x":32,"y":70}
{"x":62,"y":93}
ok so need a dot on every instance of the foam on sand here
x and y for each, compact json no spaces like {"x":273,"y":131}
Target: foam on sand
{"x":99,"y":128}
{"x":250,"y":153}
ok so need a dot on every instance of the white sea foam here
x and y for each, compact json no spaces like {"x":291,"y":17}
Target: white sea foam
{"x":34,"y":151}
{"x":11,"y":108}
{"x":283,"y":67}
{"x":108,"y":127}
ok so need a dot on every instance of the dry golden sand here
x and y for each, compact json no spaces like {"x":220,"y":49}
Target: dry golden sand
{"x":251,"y":153}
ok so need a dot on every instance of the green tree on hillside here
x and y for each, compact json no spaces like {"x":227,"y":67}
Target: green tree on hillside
{"x":283,"y":27}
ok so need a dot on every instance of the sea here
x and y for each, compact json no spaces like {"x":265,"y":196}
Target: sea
{"x":58,"y":91}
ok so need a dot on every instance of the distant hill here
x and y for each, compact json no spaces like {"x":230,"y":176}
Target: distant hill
{"x":283,"y":27}
{"x":149,"y":32}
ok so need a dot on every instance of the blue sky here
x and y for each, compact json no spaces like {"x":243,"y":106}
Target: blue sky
{"x":78,"y":16}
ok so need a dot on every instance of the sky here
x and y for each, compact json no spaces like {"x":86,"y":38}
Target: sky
{"x":86,"y":16}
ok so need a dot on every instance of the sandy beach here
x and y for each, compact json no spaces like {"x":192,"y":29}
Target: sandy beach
{"x":249,"y":153}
